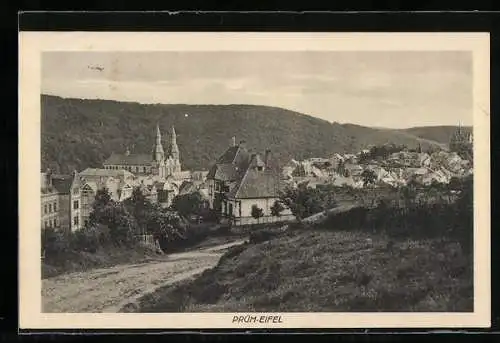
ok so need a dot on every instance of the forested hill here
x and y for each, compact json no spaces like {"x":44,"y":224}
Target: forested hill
{"x":78,"y":133}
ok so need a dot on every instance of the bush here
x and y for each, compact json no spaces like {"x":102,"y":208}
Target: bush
{"x":417,"y":220}
{"x":55,"y":244}
{"x":262,"y":236}
{"x":233,"y":252}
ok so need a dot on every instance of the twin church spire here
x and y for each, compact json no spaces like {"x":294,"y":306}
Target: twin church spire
{"x":158,"y":152}
{"x":166,"y":164}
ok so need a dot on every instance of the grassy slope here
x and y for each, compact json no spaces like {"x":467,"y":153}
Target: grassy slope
{"x":328,"y":271}
{"x":78,"y":133}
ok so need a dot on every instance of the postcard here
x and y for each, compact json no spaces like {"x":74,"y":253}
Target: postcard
{"x":254,"y":180}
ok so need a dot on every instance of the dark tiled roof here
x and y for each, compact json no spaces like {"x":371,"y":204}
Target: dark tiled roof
{"x":132,"y":159}
{"x":229,"y":164}
{"x":62,"y":184}
{"x":212,"y":171}
{"x":229,"y":155}
{"x":187,"y":187}
{"x":257,"y":184}
{"x":225,"y":172}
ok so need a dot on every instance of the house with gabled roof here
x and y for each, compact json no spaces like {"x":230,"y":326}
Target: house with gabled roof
{"x":240,"y":180}
{"x":55,"y":200}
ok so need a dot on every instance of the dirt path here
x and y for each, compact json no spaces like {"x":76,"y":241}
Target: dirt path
{"x":109,"y":289}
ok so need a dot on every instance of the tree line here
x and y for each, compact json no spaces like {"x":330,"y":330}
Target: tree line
{"x":437,"y":210}
{"x":114,"y":224}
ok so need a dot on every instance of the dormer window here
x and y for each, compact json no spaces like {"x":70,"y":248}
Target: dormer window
{"x":260,"y":168}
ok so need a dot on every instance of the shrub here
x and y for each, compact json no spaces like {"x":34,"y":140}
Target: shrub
{"x":55,"y":244}
{"x":262,"y":236}
{"x":417,"y":220}
{"x":233,"y":252}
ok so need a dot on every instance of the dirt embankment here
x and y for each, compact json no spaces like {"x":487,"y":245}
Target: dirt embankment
{"x":109,"y":289}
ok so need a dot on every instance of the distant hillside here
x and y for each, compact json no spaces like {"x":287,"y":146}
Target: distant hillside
{"x":79,"y":133}
{"x":435,"y":133}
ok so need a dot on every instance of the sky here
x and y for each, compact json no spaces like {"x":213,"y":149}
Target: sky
{"x":394,"y":89}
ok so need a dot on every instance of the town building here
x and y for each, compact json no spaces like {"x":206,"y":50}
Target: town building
{"x":157,"y":163}
{"x":460,"y":139}
{"x":49,"y":202}
{"x":55,"y":190}
{"x":240,"y":180}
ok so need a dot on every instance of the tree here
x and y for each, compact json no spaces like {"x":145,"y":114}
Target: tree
{"x":257,"y":212}
{"x":304,"y":202}
{"x":164,"y":225}
{"x":369,"y":177}
{"x":187,"y":204}
{"x":455,"y":183}
{"x":114,"y":215}
{"x":102,"y":198}
{"x":139,"y":207}
{"x":277,"y":208}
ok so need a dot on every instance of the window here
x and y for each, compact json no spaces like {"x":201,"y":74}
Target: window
{"x":230,"y":209}
{"x":75,"y":205}
{"x":144,"y":169}
{"x":75,"y":220}
{"x":53,"y":223}
{"x":56,"y":222}
{"x":55,"y":206}
{"x":50,"y":208}
{"x":45,"y":210}
{"x":47,"y":224}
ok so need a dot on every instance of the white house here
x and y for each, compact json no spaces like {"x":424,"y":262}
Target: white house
{"x":239,"y":181}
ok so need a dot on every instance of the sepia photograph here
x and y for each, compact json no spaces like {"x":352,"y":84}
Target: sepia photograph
{"x":258,"y":183}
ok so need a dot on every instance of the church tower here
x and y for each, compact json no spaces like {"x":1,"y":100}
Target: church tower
{"x":174,"y":152}
{"x":158,"y":153}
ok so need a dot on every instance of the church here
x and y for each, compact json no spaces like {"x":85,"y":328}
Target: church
{"x":156,"y":163}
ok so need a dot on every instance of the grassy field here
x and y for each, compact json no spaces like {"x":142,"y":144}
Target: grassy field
{"x":328,"y":271}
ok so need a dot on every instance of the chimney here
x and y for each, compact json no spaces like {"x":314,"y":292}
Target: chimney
{"x":267,"y":157}
{"x":49,"y":177}
{"x":233,"y":141}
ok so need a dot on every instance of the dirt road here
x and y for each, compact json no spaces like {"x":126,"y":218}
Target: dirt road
{"x":109,"y":289}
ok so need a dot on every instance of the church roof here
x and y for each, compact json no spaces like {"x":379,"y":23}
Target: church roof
{"x":132,"y":159}
{"x":95,"y":172}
